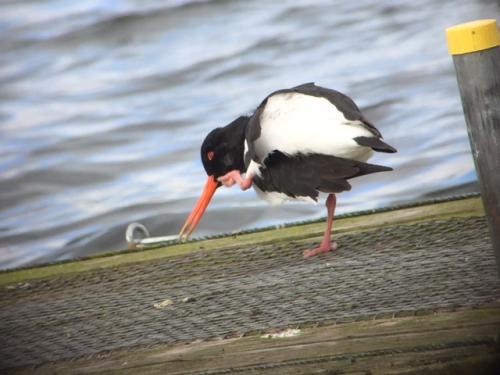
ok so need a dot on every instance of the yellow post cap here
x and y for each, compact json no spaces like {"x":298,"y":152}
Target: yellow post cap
{"x":472,"y":36}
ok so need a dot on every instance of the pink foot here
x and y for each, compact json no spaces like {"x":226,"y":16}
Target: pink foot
{"x":234,"y":177}
{"x":320,"y":250}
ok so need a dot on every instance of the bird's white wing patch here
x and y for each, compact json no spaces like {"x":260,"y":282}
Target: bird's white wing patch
{"x":253,"y":169}
{"x":246,"y":148}
{"x":297,"y":123}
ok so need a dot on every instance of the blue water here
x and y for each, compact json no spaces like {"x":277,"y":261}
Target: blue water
{"x":103,"y":106}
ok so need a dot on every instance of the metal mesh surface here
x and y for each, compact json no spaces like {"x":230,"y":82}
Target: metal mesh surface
{"x":394,"y":270}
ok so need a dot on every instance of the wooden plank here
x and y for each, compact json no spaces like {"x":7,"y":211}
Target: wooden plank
{"x":451,"y":342}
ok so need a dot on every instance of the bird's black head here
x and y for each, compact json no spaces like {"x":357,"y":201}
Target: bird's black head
{"x":223,"y":148}
{"x":221,"y":152}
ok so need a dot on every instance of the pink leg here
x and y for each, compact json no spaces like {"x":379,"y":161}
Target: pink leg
{"x":326,"y":244}
{"x":234,"y":177}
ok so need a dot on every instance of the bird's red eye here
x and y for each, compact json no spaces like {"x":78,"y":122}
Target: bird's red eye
{"x":210,"y":155}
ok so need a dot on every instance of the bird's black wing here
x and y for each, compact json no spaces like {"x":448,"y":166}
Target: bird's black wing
{"x":305,"y":175}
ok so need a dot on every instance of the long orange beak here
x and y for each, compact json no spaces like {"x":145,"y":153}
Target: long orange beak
{"x":195,"y":217}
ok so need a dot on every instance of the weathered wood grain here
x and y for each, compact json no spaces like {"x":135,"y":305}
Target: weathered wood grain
{"x":462,"y":342}
{"x":478,"y":76}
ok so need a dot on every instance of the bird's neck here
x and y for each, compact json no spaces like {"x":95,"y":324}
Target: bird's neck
{"x":237,"y":141}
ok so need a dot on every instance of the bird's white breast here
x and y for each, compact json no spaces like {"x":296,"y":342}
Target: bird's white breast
{"x":293,"y":123}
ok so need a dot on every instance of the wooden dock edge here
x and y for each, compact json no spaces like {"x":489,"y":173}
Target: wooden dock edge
{"x":468,"y":207}
{"x":459,"y":342}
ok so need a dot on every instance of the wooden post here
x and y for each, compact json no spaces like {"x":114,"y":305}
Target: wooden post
{"x":476,"y":55}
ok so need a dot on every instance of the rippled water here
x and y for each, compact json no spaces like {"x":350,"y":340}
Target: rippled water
{"x":103,"y":105}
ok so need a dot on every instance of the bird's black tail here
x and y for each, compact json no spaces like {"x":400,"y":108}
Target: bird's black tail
{"x":375,"y":144}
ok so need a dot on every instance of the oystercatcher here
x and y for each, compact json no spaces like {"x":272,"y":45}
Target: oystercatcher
{"x":299,"y":142}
